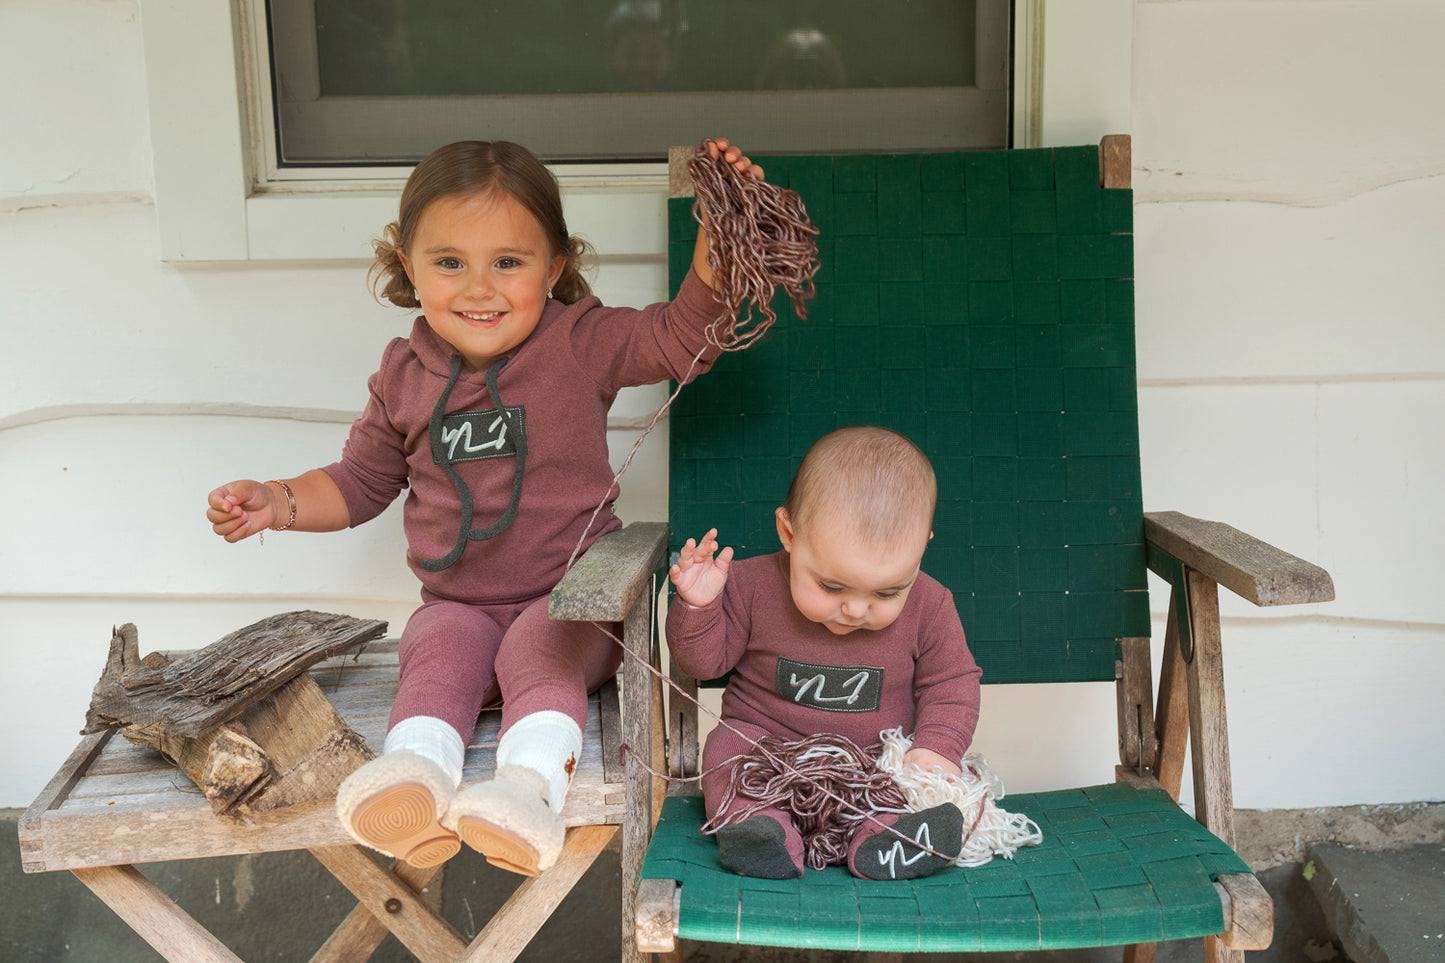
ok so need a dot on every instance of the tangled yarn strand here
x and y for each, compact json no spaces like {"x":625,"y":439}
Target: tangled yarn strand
{"x":996,"y":832}
{"x":759,"y":239}
{"x":826,"y":782}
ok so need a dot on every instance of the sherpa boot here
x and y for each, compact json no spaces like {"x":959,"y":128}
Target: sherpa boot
{"x":515,"y":820}
{"x":394,"y":803}
{"x":508,"y":821}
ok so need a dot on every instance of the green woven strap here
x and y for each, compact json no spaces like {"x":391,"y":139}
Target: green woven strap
{"x":982,"y":304}
{"x":1117,"y":866}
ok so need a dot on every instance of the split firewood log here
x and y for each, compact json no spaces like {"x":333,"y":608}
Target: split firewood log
{"x":240,"y":717}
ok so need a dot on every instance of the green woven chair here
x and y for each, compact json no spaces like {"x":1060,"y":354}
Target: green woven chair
{"x":982,"y":304}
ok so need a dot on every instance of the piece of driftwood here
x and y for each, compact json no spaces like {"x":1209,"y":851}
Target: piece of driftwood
{"x":291,"y":747}
{"x":274,"y":738}
{"x":202,"y":689}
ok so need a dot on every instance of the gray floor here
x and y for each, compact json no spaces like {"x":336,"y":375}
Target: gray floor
{"x":1385,"y":907}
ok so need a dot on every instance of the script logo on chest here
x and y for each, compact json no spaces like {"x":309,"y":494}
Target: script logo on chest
{"x":474,"y":435}
{"x":832,"y":688}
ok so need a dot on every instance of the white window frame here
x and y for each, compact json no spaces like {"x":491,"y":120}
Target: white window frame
{"x":219,"y":198}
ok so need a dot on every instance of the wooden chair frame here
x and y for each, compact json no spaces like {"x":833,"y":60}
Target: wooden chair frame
{"x":96,"y":817}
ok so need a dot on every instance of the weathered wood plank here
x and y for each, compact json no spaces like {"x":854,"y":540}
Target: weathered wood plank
{"x":607,"y":580}
{"x":154,"y":916}
{"x":657,"y":911}
{"x":1248,"y":912}
{"x":1208,"y":726}
{"x":132,"y":758}
{"x":679,"y":181}
{"x":682,"y":726}
{"x":1134,"y":695}
{"x":1133,"y":777}
{"x":1116,"y":169}
{"x":1248,"y":567}
{"x":1172,"y":716}
{"x":640,"y":729}
{"x":611,"y":731}
{"x":31,"y":830}
{"x":212,"y":685}
{"x":121,"y":786}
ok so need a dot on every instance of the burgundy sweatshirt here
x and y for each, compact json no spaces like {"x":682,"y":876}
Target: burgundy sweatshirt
{"x":795,"y":678}
{"x":557,"y":385}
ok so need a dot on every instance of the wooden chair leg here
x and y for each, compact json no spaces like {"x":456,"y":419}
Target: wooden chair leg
{"x":1140,"y":953}
{"x":1172,"y":715}
{"x":1213,"y":791}
{"x":640,"y":720}
{"x":1217,"y":952}
{"x":154,"y":915}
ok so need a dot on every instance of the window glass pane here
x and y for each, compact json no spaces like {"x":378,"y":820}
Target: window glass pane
{"x":388,"y":80}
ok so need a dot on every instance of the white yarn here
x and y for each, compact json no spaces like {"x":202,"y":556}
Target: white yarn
{"x":998,"y":833}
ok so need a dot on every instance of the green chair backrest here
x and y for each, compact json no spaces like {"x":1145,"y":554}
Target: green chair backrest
{"x":982,"y":304}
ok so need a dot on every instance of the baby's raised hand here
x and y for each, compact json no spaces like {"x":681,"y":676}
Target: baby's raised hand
{"x":720,"y":147}
{"x":701,"y":570}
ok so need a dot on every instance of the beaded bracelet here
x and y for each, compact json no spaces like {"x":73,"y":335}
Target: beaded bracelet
{"x":290,"y":503}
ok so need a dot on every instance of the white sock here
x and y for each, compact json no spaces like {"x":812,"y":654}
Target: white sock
{"x":431,"y":738}
{"x":547,"y":742}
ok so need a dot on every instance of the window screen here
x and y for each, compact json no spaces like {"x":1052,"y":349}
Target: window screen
{"x":386,"y":81}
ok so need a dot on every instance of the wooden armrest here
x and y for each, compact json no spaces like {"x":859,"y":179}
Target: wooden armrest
{"x":604,"y":583}
{"x":1243,"y":564}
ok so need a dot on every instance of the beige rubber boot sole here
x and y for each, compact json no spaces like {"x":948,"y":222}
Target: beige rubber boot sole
{"x":502,"y":847}
{"x":401,"y":819}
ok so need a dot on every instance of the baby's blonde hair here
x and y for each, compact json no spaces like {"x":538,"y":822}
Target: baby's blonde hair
{"x":872,"y":479}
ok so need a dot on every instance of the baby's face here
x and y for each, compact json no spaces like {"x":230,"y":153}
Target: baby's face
{"x":841,"y":585}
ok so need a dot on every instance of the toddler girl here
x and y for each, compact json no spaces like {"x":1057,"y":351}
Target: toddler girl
{"x":494,"y":414}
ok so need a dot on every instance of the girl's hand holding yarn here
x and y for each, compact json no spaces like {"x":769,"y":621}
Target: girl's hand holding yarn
{"x":732,"y":154}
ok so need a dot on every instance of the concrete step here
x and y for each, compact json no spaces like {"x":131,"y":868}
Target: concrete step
{"x":1383,"y":907}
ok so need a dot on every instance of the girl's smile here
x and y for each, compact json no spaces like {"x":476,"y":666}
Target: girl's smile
{"x":482,"y":270}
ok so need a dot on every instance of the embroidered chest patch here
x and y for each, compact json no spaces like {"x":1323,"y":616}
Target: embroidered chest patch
{"x":832,"y":688}
{"x":474,"y":435}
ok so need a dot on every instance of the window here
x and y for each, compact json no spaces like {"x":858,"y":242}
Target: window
{"x":382,"y":82}
{"x":220,"y":195}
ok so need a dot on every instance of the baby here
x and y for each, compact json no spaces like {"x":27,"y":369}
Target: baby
{"x":839,"y":632}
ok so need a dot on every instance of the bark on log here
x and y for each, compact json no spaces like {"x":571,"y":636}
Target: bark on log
{"x":274,"y":739}
{"x":205,"y":688}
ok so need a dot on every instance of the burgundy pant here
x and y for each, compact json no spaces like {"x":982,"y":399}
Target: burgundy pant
{"x":457,"y":658}
{"x":722,"y":744}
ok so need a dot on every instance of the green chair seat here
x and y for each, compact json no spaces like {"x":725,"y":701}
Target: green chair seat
{"x":1117,"y":865}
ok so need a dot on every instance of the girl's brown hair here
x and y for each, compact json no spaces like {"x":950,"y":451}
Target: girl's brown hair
{"x":477,"y":167}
